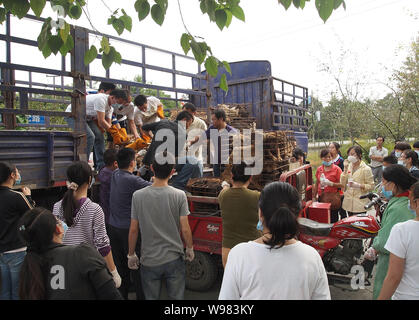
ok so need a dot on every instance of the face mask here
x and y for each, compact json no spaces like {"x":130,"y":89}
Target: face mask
{"x":401,"y":162}
{"x":118,"y":106}
{"x":352,"y":159}
{"x":397,"y":154}
{"x":18,"y":180}
{"x":417,"y":152}
{"x":327,"y":164}
{"x":410,"y":208}
{"x":259,"y":226}
{"x":92,"y":182}
{"x":65,"y":226}
{"x":386,"y":194}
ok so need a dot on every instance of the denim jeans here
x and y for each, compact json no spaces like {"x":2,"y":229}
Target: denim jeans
{"x":173,"y":273}
{"x":10,"y":264}
{"x":89,"y":136}
{"x":98,"y":145}
{"x":191,"y":169}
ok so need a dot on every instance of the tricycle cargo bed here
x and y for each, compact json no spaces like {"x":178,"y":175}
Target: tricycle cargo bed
{"x":42,"y":157}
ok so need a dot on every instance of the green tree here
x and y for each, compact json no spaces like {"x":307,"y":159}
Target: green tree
{"x":55,"y":35}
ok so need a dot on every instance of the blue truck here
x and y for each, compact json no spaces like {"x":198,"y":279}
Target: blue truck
{"x":43,"y":149}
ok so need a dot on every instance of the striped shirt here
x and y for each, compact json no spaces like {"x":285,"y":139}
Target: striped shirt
{"x":88,"y":226}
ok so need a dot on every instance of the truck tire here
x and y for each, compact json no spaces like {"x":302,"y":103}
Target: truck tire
{"x":202,"y":272}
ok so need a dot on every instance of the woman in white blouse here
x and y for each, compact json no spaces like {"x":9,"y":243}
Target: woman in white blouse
{"x":276,"y":265}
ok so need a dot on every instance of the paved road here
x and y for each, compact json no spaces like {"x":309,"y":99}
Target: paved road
{"x":337,"y":292}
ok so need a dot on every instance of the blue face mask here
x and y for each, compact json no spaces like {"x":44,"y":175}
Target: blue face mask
{"x":65,"y":226}
{"x":410,"y":208}
{"x":401,"y":162}
{"x":18,"y":180}
{"x":397,"y":154}
{"x":259,"y":226}
{"x":386,"y":194}
{"x":327,"y":164}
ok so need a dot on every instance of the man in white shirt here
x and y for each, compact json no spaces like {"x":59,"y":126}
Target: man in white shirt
{"x":195,"y":129}
{"x":104,"y":88}
{"x":98,"y":118}
{"x":377,"y":154}
{"x":150,"y":109}
{"x":125,"y":108}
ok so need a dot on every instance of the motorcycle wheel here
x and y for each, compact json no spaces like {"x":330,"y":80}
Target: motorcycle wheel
{"x":201,"y":272}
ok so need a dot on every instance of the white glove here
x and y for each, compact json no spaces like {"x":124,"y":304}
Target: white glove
{"x":142,"y":152}
{"x":133,"y":262}
{"x":225,"y":184}
{"x":326,"y":182}
{"x":116,"y":278}
{"x":370,"y":254}
{"x":353,"y":184}
{"x":190,"y":254}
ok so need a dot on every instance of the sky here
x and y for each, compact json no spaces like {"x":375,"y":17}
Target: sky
{"x":363,"y":43}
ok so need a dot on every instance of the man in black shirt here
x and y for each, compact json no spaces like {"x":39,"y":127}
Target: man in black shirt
{"x":173,"y":135}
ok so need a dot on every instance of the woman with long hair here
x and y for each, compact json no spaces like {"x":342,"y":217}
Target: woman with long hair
{"x":52,"y":270}
{"x":395,"y":187}
{"x":276,"y":265}
{"x":337,"y":158}
{"x":12,"y":249}
{"x":85,"y":219}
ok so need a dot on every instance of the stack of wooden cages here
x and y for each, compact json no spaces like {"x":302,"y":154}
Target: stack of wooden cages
{"x":277,"y":151}
{"x":206,"y":187}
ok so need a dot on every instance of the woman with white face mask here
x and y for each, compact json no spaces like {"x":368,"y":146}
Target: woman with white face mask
{"x":358,"y":179}
{"x":395,"y":187}
{"x":409,"y":159}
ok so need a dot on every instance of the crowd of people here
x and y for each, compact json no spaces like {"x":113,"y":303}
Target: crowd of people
{"x":138,"y":234}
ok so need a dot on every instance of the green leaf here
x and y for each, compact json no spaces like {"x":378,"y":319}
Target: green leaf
{"x":104,"y":44}
{"x":113,"y":56}
{"x":223,"y":83}
{"x":197,"y":52}
{"x":67,"y":46}
{"x":75,"y":12}
{"x":90,"y":55}
{"x":126,"y":19}
{"x":46,"y":51}
{"x":238,"y":13}
{"x":157,"y":14}
{"x":227,"y":67}
{"x":325,"y":8}
{"x":118,"y":25}
{"x":8,"y":4}
{"x":55,"y":43}
{"x":185,"y":42}
{"x":211,"y":65}
{"x":220,"y":18}
{"x":229,"y":17}
{"x":44,"y":34}
{"x":64,"y":32}
{"x":143,"y":9}
{"x":285,"y":3}
{"x":162,"y":4}
{"x":20,"y":8}
{"x":211,"y":6}
{"x":337,"y":4}
{"x":203,"y":6}
{"x":2,"y":15}
{"x":38,"y":6}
